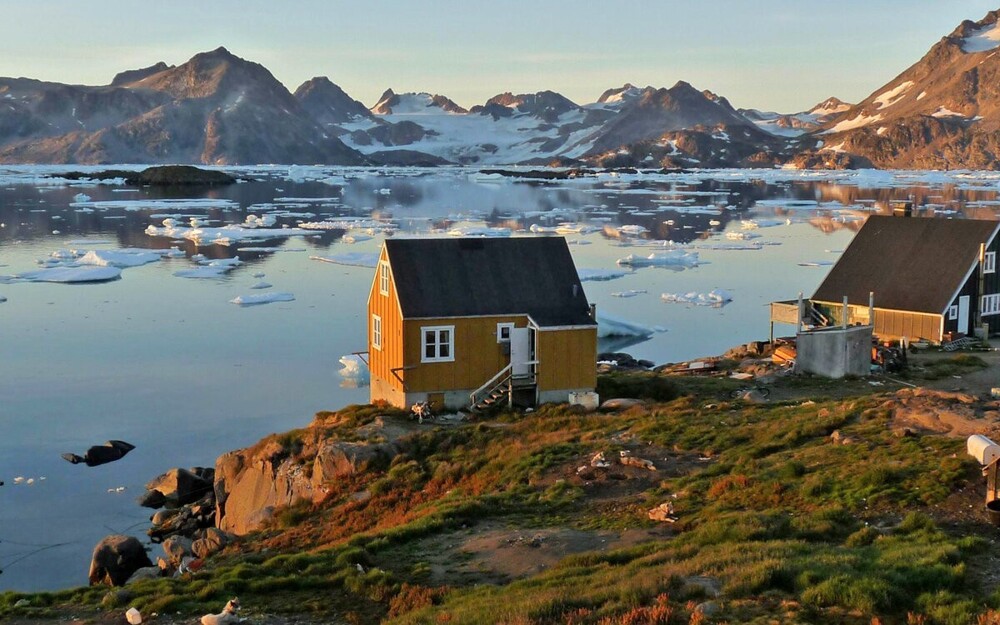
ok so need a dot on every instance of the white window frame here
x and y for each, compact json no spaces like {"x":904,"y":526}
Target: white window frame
{"x":500,"y":328}
{"x":990,"y":262}
{"x":377,"y":332}
{"x":990,"y":304}
{"x":383,"y":277}
{"x":437,"y":343}
{"x":952,"y":313}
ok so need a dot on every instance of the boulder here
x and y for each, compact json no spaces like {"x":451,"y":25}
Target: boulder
{"x":146,"y":572}
{"x":115,"y":559}
{"x":251,"y":483}
{"x":176,"y":548}
{"x":212,"y":542}
{"x":179,"y":487}
{"x":619,"y":404}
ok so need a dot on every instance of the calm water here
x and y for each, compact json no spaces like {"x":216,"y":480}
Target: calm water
{"x":170,"y":365}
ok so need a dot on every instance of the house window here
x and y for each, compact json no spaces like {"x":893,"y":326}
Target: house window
{"x":383,"y":277}
{"x":377,"y":332}
{"x":990,"y":262}
{"x":437,"y":344}
{"x":952,"y":313}
{"x":503,"y":332}
{"x":990,"y":304}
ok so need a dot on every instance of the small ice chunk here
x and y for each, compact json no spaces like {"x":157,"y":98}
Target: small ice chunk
{"x":261,"y":285}
{"x":262,"y":298}
{"x":629,"y":293}
{"x":670,"y":258}
{"x":353,"y":259}
{"x":81,"y":197}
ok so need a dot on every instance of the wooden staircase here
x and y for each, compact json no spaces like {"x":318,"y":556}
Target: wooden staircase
{"x":495,"y":390}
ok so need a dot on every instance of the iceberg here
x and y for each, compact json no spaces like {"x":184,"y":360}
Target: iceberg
{"x":355,"y":371}
{"x":128,"y":257}
{"x":716,"y":298}
{"x":610,"y":325}
{"x":600,"y":274}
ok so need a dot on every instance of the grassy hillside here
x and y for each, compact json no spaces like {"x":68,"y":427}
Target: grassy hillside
{"x":505,"y":521}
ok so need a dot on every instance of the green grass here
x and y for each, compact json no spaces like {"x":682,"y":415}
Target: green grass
{"x":788,"y":525}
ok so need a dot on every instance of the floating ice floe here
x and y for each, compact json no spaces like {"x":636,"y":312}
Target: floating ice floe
{"x":261,"y":285}
{"x":123,"y":258}
{"x":669,"y":258}
{"x":357,"y":237}
{"x":816,"y":263}
{"x":355,"y":371}
{"x":146,"y":204}
{"x":753,"y":224}
{"x":351,"y":259}
{"x":599,"y":274}
{"x":262,"y":298}
{"x":225,"y":235}
{"x":564,"y":228}
{"x":741,"y":235}
{"x":611,"y":325}
{"x":371,"y":226}
{"x":479,"y":232}
{"x":629,"y":293}
{"x":70,"y":275}
{"x":716,"y":298}
{"x":209,"y":268}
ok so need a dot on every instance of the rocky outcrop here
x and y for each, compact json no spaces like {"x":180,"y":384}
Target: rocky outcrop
{"x":250,"y":484}
{"x":115,"y":559}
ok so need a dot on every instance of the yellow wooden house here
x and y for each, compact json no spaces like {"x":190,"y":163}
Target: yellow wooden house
{"x":467,"y":322}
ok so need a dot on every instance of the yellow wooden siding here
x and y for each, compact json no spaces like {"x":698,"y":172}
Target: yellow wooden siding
{"x":567,"y":359}
{"x":889,"y":324}
{"x":381,"y":362}
{"x":478,"y":356}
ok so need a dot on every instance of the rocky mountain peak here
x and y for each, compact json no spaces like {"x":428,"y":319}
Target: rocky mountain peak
{"x":135,"y":75}
{"x":328,"y":104}
{"x":618,"y":94}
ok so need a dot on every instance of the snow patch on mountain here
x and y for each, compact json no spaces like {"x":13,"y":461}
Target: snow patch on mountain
{"x":982,"y":39}
{"x":892,"y":96}
{"x":859,"y":121}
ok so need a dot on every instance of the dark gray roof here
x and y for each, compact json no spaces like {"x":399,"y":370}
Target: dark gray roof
{"x":911,"y":263}
{"x":464,"y":277}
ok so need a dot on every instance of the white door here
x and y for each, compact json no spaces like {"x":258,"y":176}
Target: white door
{"x":963,"y":314}
{"x":520,"y":351}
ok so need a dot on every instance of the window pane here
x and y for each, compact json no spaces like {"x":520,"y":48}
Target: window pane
{"x":445,"y":352}
{"x":444,"y":336}
{"x":429,"y":351}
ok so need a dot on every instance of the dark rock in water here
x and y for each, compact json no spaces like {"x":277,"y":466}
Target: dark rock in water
{"x":101,"y":454}
{"x":115,"y":559}
{"x":183,"y":175}
{"x":180,"y":487}
{"x":624,"y":361}
{"x":159,"y":176}
{"x":152,"y":499}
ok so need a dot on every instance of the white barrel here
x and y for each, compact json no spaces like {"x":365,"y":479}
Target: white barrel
{"x":983,"y":449}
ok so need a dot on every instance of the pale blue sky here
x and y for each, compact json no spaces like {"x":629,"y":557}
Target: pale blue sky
{"x":783,"y":55}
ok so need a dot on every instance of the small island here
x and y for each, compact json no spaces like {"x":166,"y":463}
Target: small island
{"x":159,"y":176}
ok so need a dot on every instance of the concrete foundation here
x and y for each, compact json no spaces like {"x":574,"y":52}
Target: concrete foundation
{"x":835,"y":352}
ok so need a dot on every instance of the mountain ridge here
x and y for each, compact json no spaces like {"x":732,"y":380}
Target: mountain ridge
{"x":217,"y":108}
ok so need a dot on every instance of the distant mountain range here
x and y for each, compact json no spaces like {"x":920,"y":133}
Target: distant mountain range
{"x":943,"y":112}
